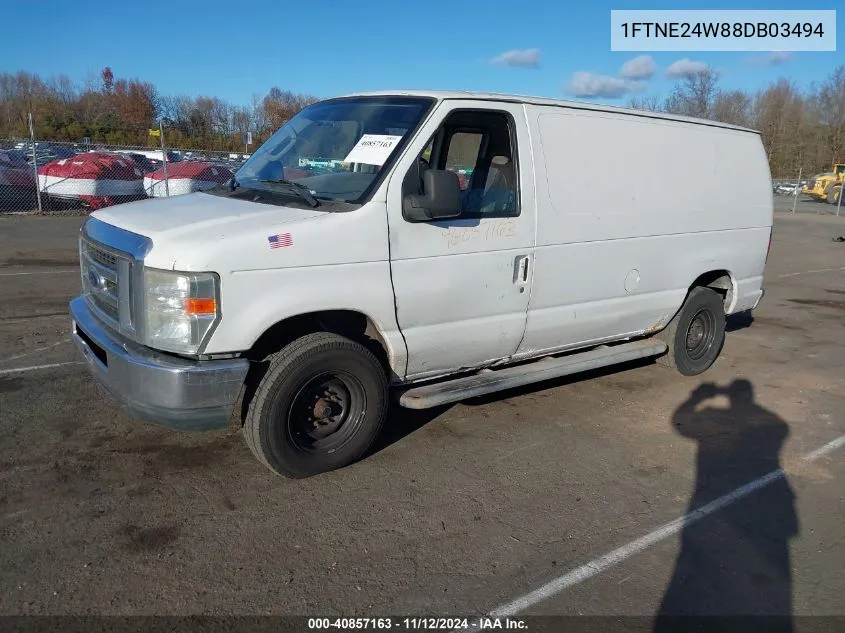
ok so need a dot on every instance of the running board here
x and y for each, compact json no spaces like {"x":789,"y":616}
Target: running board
{"x":436,"y":394}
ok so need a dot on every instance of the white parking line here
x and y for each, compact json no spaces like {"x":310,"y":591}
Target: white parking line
{"x":35,"y":351}
{"x":63,"y":315}
{"x":19,"y":370}
{"x":598,"y":565}
{"x":824,"y":450}
{"x":810,"y":272}
{"x":43,"y":272}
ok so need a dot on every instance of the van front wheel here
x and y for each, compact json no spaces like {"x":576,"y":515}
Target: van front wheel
{"x":319,"y":406}
{"x":696,"y":335}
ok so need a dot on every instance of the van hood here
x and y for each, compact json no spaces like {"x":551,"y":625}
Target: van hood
{"x":204,"y":232}
{"x":201,"y":215}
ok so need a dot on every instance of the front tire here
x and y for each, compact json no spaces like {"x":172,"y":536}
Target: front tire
{"x":319,"y":406}
{"x":833,"y":195}
{"x":697,"y":333}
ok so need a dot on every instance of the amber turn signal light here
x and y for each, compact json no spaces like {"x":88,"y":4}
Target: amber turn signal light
{"x":200,"y":306}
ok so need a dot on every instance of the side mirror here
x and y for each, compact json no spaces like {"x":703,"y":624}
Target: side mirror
{"x":442,"y":197}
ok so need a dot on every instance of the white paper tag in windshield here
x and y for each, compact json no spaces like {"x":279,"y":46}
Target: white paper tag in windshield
{"x":372,"y":149}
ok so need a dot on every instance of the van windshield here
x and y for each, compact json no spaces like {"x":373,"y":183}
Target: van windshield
{"x":336,"y":148}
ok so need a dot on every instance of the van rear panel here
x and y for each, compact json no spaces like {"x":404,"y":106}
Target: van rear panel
{"x":614,"y":176}
{"x":631,"y":211}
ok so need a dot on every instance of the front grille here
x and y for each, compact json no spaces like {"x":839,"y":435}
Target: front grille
{"x":110,"y":310}
{"x":102,"y":257}
{"x":101,"y":281}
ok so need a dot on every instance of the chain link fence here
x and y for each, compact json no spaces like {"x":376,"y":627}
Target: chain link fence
{"x":49,"y":177}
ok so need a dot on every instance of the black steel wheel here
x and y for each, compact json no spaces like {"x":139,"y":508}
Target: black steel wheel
{"x":318,"y":407}
{"x":700,"y":334}
{"x":326,"y":412}
{"x":697,"y":333}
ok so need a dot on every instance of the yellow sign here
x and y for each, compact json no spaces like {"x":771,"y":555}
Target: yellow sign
{"x":155,"y":132}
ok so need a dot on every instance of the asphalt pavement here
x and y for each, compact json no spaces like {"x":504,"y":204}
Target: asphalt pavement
{"x":577,"y":496}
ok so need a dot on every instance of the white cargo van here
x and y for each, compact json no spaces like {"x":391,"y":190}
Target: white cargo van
{"x":580,"y":236}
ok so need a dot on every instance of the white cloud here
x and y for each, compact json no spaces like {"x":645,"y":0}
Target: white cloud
{"x":641,"y":67}
{"x":775,"y":58}
{"x":585,"y":84}
{"x":526,"y":58}
{"x":685,"y":68}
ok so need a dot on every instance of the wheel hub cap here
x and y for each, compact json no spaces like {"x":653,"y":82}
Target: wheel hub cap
{"x":326,"y":411}
{"x":700,"y":335}
{"x":695,"y":334}
{"x":322,"y":411}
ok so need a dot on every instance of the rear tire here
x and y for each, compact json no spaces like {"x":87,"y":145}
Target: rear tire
{"x":697,"y":333}
{"x":319,"y":406}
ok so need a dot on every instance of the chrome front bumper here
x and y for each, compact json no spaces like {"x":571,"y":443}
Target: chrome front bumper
{"x":175,"y":392}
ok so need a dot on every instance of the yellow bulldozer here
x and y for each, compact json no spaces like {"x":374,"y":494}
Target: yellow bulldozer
{"x":826,"y":187}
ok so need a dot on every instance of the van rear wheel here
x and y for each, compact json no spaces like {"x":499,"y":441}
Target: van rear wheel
{"x":697,"y":333}
{"x":319,"y":406}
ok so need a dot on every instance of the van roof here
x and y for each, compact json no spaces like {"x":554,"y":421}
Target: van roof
{"x":516,"y":98}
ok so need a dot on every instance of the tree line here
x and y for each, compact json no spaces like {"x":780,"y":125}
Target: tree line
{"x":801,"y":129}
{"x":123,"y":111}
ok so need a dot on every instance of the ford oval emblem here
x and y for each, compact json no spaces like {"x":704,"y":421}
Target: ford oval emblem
{"x":95,"y":278}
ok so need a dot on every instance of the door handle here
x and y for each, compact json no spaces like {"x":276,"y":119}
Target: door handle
{"x":521,"y":270}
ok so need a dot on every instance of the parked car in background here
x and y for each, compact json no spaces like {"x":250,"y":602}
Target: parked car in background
{"x":141,"y":161}
{"x":155,"y":155}
{"x":185,"y":177}
{"x":44,"y":152}
{"x":17,"y":182}
{"x":92,"y":179}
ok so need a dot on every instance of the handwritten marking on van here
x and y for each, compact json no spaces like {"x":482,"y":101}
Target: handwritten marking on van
{"x":490,"y":229}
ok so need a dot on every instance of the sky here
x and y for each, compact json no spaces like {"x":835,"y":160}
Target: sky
{"x":236,"y":50}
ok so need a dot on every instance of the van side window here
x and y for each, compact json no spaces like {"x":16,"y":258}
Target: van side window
{"x":478,"y":145}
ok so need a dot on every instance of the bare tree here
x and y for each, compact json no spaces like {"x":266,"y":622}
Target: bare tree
{"x":241,"y":120}
{"x":221,"y":117}
{"x":777,"y":114}
{"x":649,"y":103}
{"x":831,"y":113}
{"x":259,"y":118}
{"x":731,"y":106}
{"x":694,"y":94}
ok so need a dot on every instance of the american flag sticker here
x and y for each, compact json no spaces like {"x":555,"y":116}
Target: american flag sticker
{"x":280,"y":240}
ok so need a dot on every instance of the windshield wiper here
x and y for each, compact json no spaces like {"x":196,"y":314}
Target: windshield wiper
{"x":301,"y":190}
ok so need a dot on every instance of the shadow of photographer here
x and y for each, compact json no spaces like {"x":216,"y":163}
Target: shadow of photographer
{"x":736,"y":561}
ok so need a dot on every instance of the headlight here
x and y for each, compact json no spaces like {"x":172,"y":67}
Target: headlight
{"x":181,"y":309}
